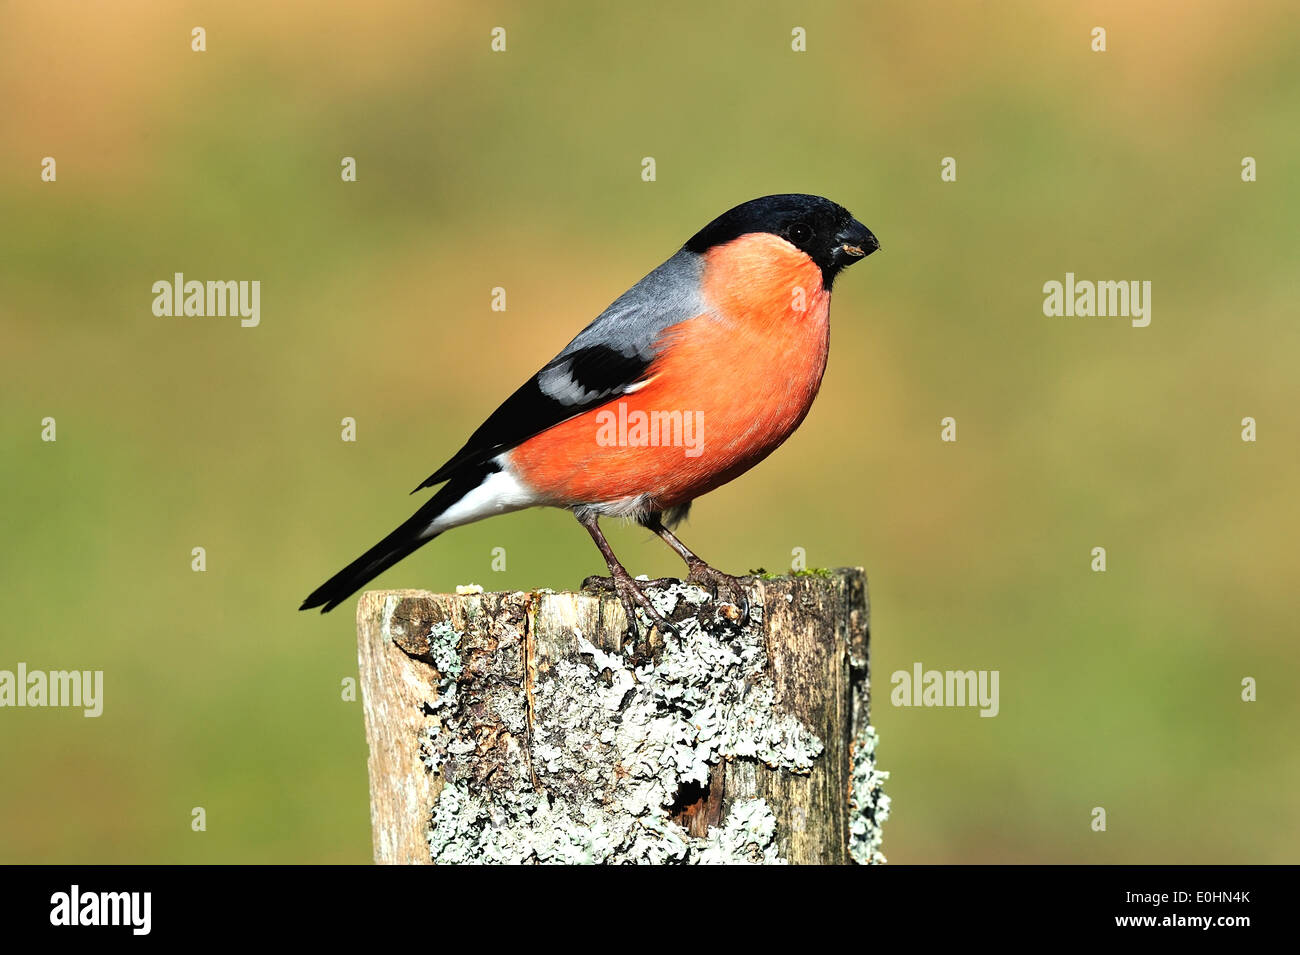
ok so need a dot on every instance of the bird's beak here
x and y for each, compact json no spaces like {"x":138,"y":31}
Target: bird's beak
{"x":856,"y":240}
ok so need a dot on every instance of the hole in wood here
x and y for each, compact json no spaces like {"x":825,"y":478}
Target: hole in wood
{"x":699,"y":806}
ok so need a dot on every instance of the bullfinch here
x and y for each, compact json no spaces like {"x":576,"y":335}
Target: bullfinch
{"x":689,"y":379}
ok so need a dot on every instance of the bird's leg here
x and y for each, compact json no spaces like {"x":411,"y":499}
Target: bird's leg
{"x":723,"y":586}
{"x":629,"y":594}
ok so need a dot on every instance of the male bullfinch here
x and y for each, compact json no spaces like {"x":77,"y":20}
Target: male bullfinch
{"x":690,"y":378}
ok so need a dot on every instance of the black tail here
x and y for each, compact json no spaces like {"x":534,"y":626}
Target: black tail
{"x":407,"y":539}
{"x":364,"y":569}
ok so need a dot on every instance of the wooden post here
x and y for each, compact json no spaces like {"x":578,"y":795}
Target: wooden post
{"x":517,"y":727}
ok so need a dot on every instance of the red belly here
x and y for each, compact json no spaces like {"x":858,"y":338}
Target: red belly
{"x":726,"y":391}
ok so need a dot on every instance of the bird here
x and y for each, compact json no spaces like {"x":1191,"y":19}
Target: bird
{"x":687,"y":380}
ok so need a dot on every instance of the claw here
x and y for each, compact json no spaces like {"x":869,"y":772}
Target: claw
{"x":715,"y":581}
{"x":668,"y":625}
{"x":631,"y":596}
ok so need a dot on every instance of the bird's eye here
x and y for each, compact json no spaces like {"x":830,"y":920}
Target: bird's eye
{"x":800,"y":233}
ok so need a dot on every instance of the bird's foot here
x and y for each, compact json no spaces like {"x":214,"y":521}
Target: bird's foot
{"x":631,"y":595}
{"x":728,"y":591}
{"x":599,"y":584}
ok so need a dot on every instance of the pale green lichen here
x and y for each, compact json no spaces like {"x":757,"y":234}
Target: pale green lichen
{"x":444,"y":651}
{"x":438,"y":739}
{"x":534,"y":827}
{"x":868,"y":804}
{"x":611,"y":744}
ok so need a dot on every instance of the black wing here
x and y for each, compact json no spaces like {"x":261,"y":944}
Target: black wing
{"x":569,"y":385}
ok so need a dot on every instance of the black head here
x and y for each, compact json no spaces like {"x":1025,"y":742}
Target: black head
{"x":826,"y":231}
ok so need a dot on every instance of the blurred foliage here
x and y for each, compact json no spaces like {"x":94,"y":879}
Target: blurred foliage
{"x":522,"y":170}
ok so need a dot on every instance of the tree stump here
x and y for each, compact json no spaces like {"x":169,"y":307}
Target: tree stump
{"x":526,"y":727}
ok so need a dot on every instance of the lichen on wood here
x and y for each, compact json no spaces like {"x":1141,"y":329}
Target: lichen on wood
{"x":549,"y":740}
{"x":868,"y":803}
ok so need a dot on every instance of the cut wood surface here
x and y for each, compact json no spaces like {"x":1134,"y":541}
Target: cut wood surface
{"x":527,"y":727}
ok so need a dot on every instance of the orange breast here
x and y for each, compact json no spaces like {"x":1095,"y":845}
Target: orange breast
{"x":729,"y":387}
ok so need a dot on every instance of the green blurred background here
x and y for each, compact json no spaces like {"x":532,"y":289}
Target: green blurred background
{"x":522,"y":170}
